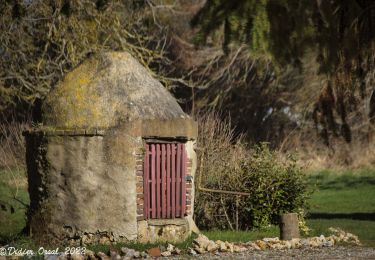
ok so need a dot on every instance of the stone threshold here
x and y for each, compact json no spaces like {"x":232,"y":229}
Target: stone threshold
{"x":164,"y":222}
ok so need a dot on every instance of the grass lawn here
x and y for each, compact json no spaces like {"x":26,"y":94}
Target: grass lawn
{"x":242,"y":236}
{"x":346,"y":200}
{"x":14,"y":199}
{"x":342,"y":199}
{"x":343,"y":192}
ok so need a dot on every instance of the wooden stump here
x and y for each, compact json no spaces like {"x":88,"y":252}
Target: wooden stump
{"x":289,"y":226}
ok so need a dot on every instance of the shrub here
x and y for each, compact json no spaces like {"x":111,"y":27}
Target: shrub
{"x":12,"y":144}
{"x":58,"y":35}
{"x":274,"y":185}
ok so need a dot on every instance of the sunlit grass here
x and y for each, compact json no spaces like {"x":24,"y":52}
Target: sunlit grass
{"x":14,"y":199}
{"x":242,"y":236}
{"x":341,"y":199}
{"x":183,"y":246}
{"x":344,"y":199}
{"x":364,"y":229}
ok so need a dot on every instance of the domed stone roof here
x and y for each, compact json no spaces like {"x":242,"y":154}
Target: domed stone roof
{"x":106,"y":90}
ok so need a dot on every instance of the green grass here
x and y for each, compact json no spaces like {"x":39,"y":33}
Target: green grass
{"x":241,"y":236}
{"x":341,"y":199}
{"x":364,"y":229}
{"x":13,"y":200}
{"x":344,"y":199}
{"x":343,"y":192}
{"x":348,"y":200}
{"x":142,"y":247}
{"x":22,"y":241}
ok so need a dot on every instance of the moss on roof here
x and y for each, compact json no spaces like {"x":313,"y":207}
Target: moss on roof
{"x":106,"y":90}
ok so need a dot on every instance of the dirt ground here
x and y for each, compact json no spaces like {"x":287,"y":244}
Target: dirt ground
{"x":337,"y":252}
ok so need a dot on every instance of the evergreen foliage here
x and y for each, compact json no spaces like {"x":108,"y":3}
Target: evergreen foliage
{"x":340,"y":32}
{"x":285,"y":28}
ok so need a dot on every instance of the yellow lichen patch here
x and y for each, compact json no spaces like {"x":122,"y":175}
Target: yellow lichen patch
{"x":105,"y":91}
{"x":119,"y":55}
{"x":75,"y":102}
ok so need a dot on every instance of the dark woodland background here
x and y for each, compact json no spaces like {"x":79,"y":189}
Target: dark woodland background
{"x":298,"y":74}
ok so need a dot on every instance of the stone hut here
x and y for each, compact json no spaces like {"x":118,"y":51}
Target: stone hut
{"x":113,"y":159}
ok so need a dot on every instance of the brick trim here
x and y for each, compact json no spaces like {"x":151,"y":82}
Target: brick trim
{"x":139,"y":155}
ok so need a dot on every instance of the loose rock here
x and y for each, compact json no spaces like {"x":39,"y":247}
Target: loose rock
{"x":102,"y":256}
{"x":170,"y":248}
{"x":201,"y":241}
{"x":229,"y":246}
{"x":199,"y":250}
{"x":238,"y":249}
{"x":89,"y":254}
{"x":166,"y":253}
{"x":154,"y":252}
{"x":128,"y":252}
{"x":262,"y":245}
{"x":212,"y":246}
{"x":192,"y":251}
{"x":222,"y":246}
{"x":144,"y":255}
{"x":137,"y":254}
{"x":77,"y":257}
{"x":114,"y":255}
{"x":177,"y":251}
{"x":295,"y":243}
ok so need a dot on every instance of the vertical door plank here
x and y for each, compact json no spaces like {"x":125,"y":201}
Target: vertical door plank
{"x":183,"y":181}
{"x":158,"y":192}
{"x":173,"y":184}
{"x":163,"y":183}
{"x":178,"y":182}
{"x":153,"y":181}
{"x":168,"y":180}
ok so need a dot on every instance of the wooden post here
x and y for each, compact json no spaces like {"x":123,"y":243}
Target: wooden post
{"x":237,"y":210}
{"x":289,"y":226}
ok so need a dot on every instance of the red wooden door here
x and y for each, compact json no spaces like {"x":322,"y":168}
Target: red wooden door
{"x":164,"y":180}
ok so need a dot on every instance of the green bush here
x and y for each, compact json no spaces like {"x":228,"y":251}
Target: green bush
{"x":275,"y":185}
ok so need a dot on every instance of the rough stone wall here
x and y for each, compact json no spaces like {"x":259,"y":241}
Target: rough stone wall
{"x":82,"y":188}
{"x":86,"y":186}
{"x":37,"y":167}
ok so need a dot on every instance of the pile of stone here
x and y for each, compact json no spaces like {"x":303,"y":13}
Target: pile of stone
{"x":202,"y":244}
{"x":340,"y":235}
{"x":164,"y":251}
{"x":128,"y":253}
